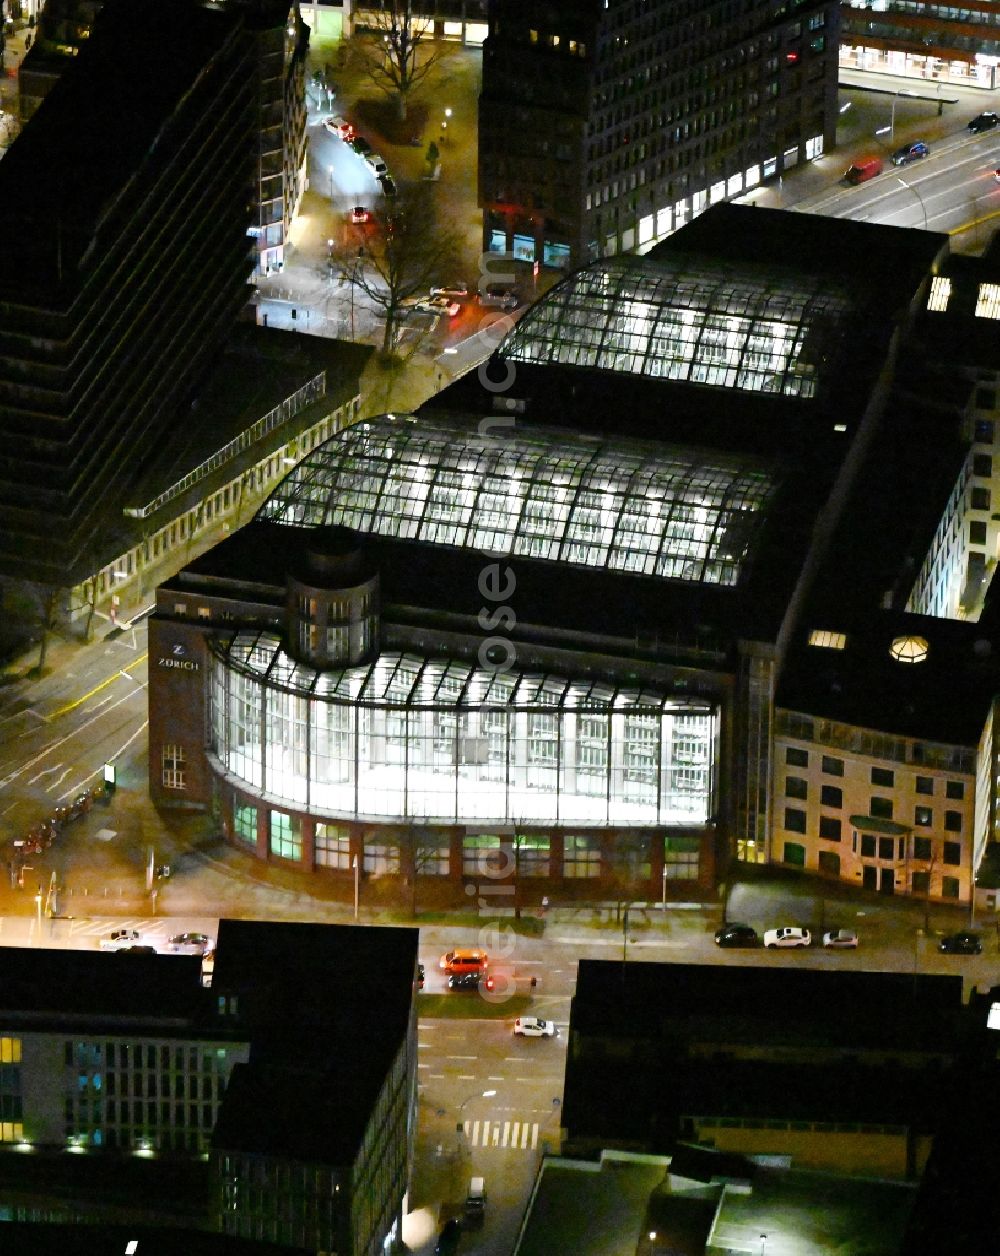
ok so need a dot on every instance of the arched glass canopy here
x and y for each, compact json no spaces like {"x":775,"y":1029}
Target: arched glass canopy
{"x":623,"y":505}
{"x":695,"y":321}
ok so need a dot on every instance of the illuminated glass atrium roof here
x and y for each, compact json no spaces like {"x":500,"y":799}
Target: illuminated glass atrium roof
{"x":411,"y":681}
{"x":672,"y":318}
{"x":621,"y":505}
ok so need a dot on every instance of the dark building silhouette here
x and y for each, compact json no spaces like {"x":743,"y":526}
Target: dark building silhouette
{"x":606,"y":126}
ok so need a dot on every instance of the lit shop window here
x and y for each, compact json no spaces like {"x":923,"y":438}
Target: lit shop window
{"x":940,"y":294}
{"x":173,"y":767}
{"x":988,"y":301}
{"x":827,"y":640}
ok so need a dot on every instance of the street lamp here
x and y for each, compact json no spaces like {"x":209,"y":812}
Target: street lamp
{"x":482,"y":1094}
{"x":329,"y":171}
{"x":910,"y":188}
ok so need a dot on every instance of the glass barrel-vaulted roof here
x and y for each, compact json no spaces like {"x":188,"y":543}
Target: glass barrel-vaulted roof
{"x":700,"y":322}
{"x":622,"y":505}
{"x":408,"y":680}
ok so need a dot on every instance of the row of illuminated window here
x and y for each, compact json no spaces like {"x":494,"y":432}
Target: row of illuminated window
{"x":796,"y":756}
{"x":212,"y":1061}
{"x":878,"y":806}
{"x":151,"y":1085}
{"x":874,"y":846}
{"x":987,"y":297}
{"x":869,"y":743}
{"x":584,"y":855}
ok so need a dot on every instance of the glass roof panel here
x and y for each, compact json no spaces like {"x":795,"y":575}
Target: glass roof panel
{"x":698,"y":321}
{"x":622,"y":505}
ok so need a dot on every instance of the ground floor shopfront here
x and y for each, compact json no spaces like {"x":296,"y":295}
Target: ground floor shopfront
{"x":465,"y":860}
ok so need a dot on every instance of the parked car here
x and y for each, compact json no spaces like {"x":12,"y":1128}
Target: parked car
{"x":862,"y":169}
{"x":499,"y":295}
{"x":338,"y":126}
{"x":787,"y":935}
{"x":984,"y":122}
{"x":534,"y":1027}
{"x":734,"y":934}
{"x":438,"y":305}
{"x":475,"y":1202}
{"x":190,"y":944}
{"x":452,"y":290}
{"x":388,"y":184}
{"x":360,"y":145}
{"x":376,"y":162}
{"x":448,"y":1239}
{"x":136,"y":950}
{"x":910,"y":152}
{"x":359,"y":214}
{"x":965,"y":942}
{"x":120,"y":939}
{"x":841,"y":939}
{"x":420,"y":976}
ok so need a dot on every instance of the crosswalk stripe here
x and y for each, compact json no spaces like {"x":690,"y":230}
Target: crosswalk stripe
{"x":512,"y":1135}
{"x":534,"y":1136}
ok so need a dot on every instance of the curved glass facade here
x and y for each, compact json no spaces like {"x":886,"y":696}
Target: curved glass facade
{"x":409,"y":737}
{"x":676,"y":513}
{"x":673,"y":317}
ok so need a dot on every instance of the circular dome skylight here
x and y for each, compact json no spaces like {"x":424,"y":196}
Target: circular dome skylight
{"x":909,"y":649}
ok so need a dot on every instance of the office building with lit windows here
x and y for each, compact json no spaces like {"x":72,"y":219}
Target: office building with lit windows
{"x":563,"y":620}
{"x":931,"y":42}
{"x":275,"y":1104}
{"x":605,"y":125}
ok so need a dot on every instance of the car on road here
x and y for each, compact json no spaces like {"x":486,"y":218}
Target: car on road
{"x":470,"y":981}
{"x":965,"y":942}
{"x":438,"y":305}
{"x":983,"y":122}
{"x":190,"y":944}
{"x":360,"y":145}
{"x":449,"y":1238}
{"x":136,"y":950}
{"x":388,"y":184}
{"x":338,"y":126}
{"x":499,"y":295}
{"x":910,"y":152}
{"x":735,"y":934}
{"x":534,"y":1027}
{"x":420,"y":976}
{"x":359,"y":214}
{"x":120,"y":939}
{"x":464,"y":960}
{"x":787,"y":935}
{"x":377,"y":163}
{"x":452,"y":290}
{"x":841,"y":939}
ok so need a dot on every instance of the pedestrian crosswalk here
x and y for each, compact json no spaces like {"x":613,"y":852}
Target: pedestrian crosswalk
{"x":513,"y":1135}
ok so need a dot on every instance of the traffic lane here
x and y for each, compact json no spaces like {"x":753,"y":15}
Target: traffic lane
{"x":339,"y":172}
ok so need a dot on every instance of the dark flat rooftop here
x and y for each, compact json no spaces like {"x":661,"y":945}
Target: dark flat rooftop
{"x":25,"y":1238}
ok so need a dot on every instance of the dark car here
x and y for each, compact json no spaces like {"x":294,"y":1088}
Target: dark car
{"x":136,"y":950}
{"x":420,"y":976}
{"x":910,"y":152}
{"x":388,"y":184}
{"x":961,"y":943}
{"x":736,"y":935}
{"x":448,"y":1239}
{"x":984,"y":122}
{"x":469,"y":981}
{"x":360,"y":145}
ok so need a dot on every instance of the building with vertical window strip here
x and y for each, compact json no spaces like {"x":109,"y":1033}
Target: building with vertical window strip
{"x":605,"y":125}
{"x":128,"y":1063}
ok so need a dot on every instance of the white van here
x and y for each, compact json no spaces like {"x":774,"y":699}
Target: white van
{"x":475,"y":1202}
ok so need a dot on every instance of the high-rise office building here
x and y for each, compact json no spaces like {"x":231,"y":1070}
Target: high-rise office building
{"x":607,"y":124}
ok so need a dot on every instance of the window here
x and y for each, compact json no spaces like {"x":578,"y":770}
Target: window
{"x":953,"y":821}
{"x":920,"y":883}
{"x":867,"y":846}
{"x":939,"y":294}
{"x":886,"y":848}
{"x":795,"y":820}
{"x":923,"y":816}
{"x":286,"y":835}
{"x":883,"y":776}
{"x":796,"y":787}
{"x":949,"y":887}
{"x":480,"y":854}
{"x":981,"y":499}
{"x":982,"y":465}
{"x":796,"y":757}
{"x":988,"y":301}
{"x":831,"y":796}
{"x":681,"y":858}
{"x":953,"y":853}
{"x":581,"y":855}
{"x":923,"y":848}
{"x":954,"y":789}
{"x":172,"y":765}
{"x":925,"y":784}
{"x":795,"y":854}
{"x":829,"y":828}
{"x":829,"y":861}
{"x":826,"y":640}
{"x":833,"y":767}
{"x":881,"y":807}
{"x":333,"y":846}
{"x":977,"y":533}
{"x":245,"y":822}
{"x":532,"y":856}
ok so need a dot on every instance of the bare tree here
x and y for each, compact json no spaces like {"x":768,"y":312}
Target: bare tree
{"x":404,"y":251}
{"x":420,"y":850}
{"x":395,"y":60}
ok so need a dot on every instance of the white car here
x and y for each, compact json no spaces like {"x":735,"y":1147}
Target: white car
{"x":534,"y":1027}
{"x":338,"y":126}
{"x":120,"y":940}
{"x":190,"y":944}
{"x":841,"y":939}
{"x":451,"y":290}
{"x":788,"y":935}
{"x":438,"y":305}
{"x":377,"y":163}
